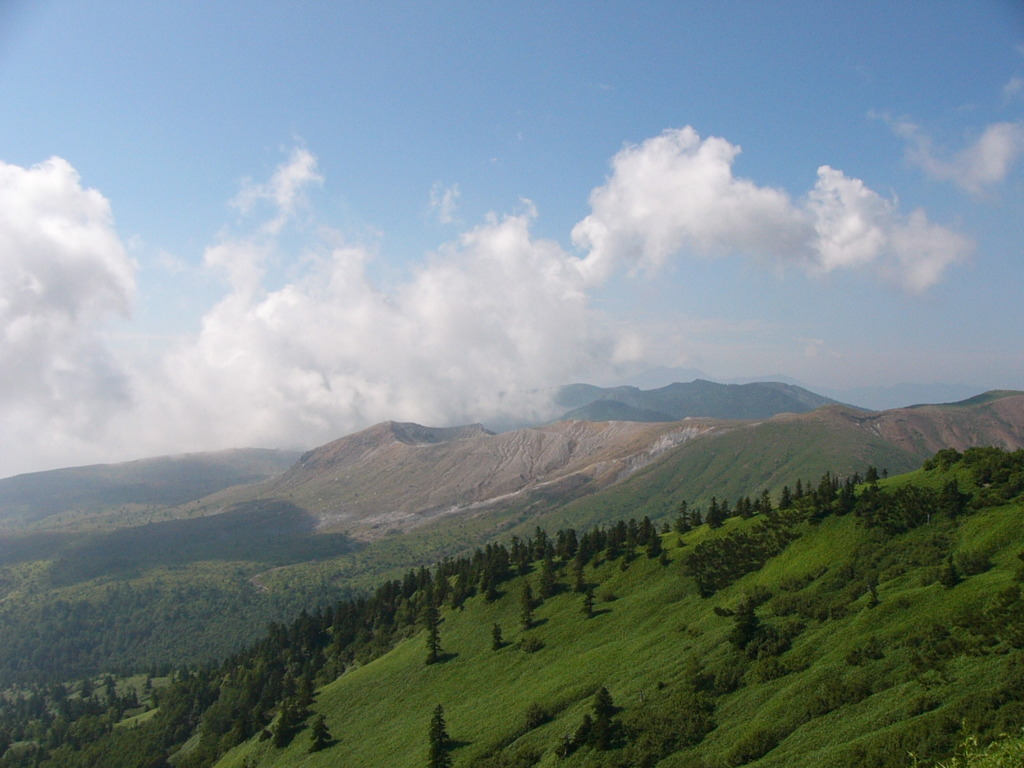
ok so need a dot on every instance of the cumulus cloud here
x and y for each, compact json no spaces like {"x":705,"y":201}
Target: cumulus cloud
{"x":677,"y":193}
{"x":476,"y":332}
{"x":63,"y":273}
{"x":470,"y":336}
{"x":976,"y":168}
{"x":855,"y":227}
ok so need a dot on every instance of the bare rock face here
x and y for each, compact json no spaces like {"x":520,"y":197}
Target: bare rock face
{"x":397,"y":476}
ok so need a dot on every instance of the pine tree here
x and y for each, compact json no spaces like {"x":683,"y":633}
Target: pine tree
{"x":497,"y":642}
{"x":579,"y":583}
{"x":786,"y":498}
{"x":682,"y":524}
{"x":432,"y":621}
{"x":951,"y":500}
{"x":604,"y":708}
{"x":654,"y":546}
{"x":588,"y":603}
{"x":548,"y":578}
{"x":526,"y":606}
{"x":440,"y":742}
{"x":321,"y":735}
{"x":288,"y":722}
{"x":717,"y":513}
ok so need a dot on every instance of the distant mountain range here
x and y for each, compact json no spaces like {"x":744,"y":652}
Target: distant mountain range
{"x":163,"y":481}
{"x":758,"y":400}
{"x":397,"y":477}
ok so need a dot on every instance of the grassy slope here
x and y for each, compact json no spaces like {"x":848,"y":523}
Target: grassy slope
{"x":648,"y":635}
{"x":727,"y":465}
{"x":79,"y":567}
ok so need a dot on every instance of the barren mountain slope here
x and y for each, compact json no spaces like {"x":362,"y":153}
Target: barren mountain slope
{"x":922,"y":430}
{"x":398,"y":476}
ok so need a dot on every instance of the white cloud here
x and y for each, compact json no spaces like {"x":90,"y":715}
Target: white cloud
{"x":444,"y":202}
{"x":976,"y":168}
{"x":477,"y":332}
{"x":676,"y":193}
{"x":494,"y":312}
{"x":284,"y":191}
{"x":858,"y":228}
{"x":63,"y":273}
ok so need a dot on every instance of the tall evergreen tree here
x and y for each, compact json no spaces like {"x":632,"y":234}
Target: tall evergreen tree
{"x":548,"y":578}
{"x":579,"y":583}
{"x":785,"y":498}
{"x":432,"y":623}
{"x":440,"y":742}
{"x":717,"y":513}
{"x":526,"y":606}
{"x":604,"y":708}
{"x":682,"y":523}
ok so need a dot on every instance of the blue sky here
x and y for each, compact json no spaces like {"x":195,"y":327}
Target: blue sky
{"x":227,"y":223}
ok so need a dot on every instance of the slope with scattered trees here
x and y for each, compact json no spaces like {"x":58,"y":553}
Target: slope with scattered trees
{"x":844,"y":622}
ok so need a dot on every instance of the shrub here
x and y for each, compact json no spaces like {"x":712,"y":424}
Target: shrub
{"x":972,"y":562}
{"x":536,"y":716}
{"x":531,"y":644}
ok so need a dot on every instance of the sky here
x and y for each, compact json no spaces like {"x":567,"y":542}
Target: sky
{"x":228,"y":224}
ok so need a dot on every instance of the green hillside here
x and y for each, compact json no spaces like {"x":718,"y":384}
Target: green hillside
{"x":80,"y":602}
{"x":850,"y":625}
{"x":746,"y":459}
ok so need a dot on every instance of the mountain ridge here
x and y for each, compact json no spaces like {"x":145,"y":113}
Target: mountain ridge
{"x":698,"y":398}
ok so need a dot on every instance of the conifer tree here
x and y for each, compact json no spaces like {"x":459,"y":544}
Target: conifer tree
{"x":717,"y":513}
{"x":654,"y":545}
{"x":497,"y":642}
{"x":579,"y":584}
{"x":548,"y":578}
{"x":440,"y":742}
{"x":588,"y":603}
{"x":682,"y":523}
{"x":321,"y":735}
{"x":951,"y":500}
{"x":288,"y":722}
{"x":949,"y":576}
{"x":526,"y":606}
{"x":604,"y":708}
{"x":432,"y":621}
{"x":786,"y":498}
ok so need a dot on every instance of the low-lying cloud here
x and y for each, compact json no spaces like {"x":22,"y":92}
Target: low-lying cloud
{"x":63,"y":274}
{"x":477,"y":331}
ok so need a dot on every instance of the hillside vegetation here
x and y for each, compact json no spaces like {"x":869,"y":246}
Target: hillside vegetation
{"x":841,"y":623}
{"x":202,"y":580}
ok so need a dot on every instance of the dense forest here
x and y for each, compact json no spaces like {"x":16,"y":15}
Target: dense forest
{"x":871,"y":546}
